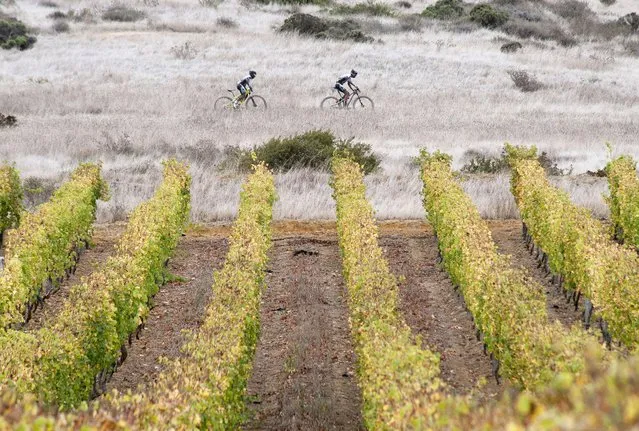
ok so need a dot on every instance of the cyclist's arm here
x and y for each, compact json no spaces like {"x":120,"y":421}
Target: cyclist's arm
{"x":352,"y":86}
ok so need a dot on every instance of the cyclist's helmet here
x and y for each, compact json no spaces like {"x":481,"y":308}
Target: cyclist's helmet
{"x":353,"y":73}
{"x":252,"y":74}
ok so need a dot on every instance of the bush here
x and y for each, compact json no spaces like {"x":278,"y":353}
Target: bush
{"x":186,"y":51}
{"x":480,"y":163}
{"x":295,"y":2}
{"x":369,"y":8}
{"x":226,"y":22}
{"x":538,"y":30}
{"x":48,"y":3}
{"x":321,"y":28}
{"x":13,"y":34}
{"x":525,"y":81}
{"x":412,"y":22}
{"x":8,"y":121}
{"x":572,"y":10}
{"x":312,"y":149}
{"x":444,"y":9}
{"x":608,"y":2}
{"x":403,"y":4}
{"x":511,"y":47}
{"x":121,"y":13}
{"x":60,"y":26}
{"x":57,"y":15}
{"x":487,"y":16}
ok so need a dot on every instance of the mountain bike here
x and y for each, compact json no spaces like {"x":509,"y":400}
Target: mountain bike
{"x":356,"y":102}
{"x":251,"y":101}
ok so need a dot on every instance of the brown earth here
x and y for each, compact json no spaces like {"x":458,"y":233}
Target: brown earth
{"x":102,"y":246}
{"x":507,"y":235}
{"x":179,"y":305}
{"x":433,"y":310}
{"x":304,"y":369}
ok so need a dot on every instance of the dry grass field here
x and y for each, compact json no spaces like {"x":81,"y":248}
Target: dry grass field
{"x":117,"y":92}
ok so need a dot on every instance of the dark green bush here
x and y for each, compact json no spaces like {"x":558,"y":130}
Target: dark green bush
{"x":444,"y":9}
{"x":479,"y":163}
{"x":312,"y":149}
{"x":13,"y":34}
{"x":321,"y":28}
{"x":121,"y":13}
{"x":57,"y":15}
{"x":8,"y":120}
{"x":368,"y":8}
{"x":295,"y":2}
{"x":487,"y":16}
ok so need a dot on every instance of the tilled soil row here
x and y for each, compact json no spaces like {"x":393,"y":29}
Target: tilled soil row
{"x":179,"y":305}
{"x":508,"y":237}
{"x":304,"y":370}
{"x":434,"y":311}
{"x":102,"y":246}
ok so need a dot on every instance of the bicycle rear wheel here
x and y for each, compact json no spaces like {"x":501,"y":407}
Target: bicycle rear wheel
{"x":223,"y":103}
{"x":363,"y":102}
{"x":256,"y":103}
{"x":330,"y":102}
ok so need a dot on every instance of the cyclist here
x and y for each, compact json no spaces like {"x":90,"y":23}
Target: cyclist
{"x":244,"y":85}
{"x":348,"y":78}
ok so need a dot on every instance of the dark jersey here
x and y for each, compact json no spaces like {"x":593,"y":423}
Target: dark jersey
{"x":344,"y":79}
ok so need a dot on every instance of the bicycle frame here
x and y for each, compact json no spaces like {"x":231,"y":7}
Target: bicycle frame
{"x":236,"y":98}
{"x":341,"y":102}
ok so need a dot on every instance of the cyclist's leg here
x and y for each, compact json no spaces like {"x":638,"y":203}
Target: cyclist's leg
{"x":242,"y":91}
{"x":341,"y":90}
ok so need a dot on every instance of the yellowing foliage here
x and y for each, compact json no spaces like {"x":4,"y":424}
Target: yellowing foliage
{"x":43,"y":247}
{"x":508,"y":308}
{"x":624,"y":199}
{"x":400,"y":380}
{"x":10,"y":198}
{"x":578,"y":247}
{"x":205,"y":388}
{"x":60,"y":362}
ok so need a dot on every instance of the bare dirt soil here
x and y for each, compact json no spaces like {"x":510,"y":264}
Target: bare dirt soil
{"x":179,"y":305}
{"x":304,"y":370}
{"x":507,"y":235}
{"x":433,"y":309}
{"x":102,"y":246}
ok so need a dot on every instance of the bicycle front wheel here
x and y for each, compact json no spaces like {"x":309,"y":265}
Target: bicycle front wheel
{"x":330,"y":102}
{"x":363,"y":102}
{"x":256,"y":103}
{"x":223,"y":103}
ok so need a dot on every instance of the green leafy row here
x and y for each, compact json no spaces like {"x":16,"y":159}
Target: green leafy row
{"x":508,"y":308}
{"x":205,"y":388}
{"x":10,"y":198}
{"x":624,"y":199}
{"x":400,"y":380}
{"x":63,"y":361}
{"x":40,"y":251}
{"x":578,"y":247}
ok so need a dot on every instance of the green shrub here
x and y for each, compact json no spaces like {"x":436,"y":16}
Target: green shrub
{"x":487,"y":16}
{"x":121,"y":13}
{"x":13,"y":34}
{"x":322,"y":28}
{"x":444,"y":9}
{"x":484,"y":164}
{"x":295,"y":2}
{"x":312,"y":149}
{"x":369,"y":8}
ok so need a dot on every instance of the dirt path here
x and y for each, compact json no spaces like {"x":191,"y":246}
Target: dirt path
{"x":434,"y":311}
{"x":104,"y":240}
{"x":507,"y":236}
{"x":177,"y":306}
{"x":304,"y":370}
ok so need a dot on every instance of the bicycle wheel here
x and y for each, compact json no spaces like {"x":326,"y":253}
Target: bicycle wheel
{"x":255,"y":103}
{"x":223,"y":103}
{"x":363,"y":102}
{"x":330,"y":102}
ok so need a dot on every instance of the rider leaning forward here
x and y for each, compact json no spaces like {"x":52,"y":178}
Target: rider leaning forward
{"x":244,"y":86}
{"x":348,"y":78}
